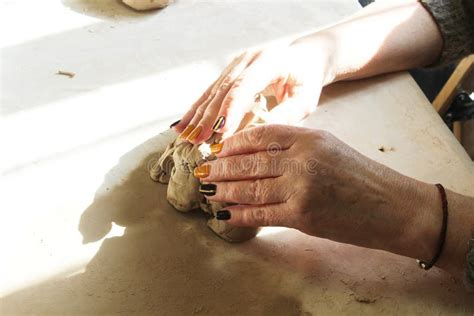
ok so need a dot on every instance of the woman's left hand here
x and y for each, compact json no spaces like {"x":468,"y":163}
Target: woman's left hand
{"x":309,"y":180}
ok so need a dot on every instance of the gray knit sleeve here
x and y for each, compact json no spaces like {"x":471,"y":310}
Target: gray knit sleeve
{"x":469,"y":271}
{"x":455,"y":19}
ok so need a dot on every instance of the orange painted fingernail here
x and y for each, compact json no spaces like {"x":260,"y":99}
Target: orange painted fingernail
{"x":186,"y":131}
{"x":194,"y":134}
{"x":202,"y":171}
{"x":216,"y":148}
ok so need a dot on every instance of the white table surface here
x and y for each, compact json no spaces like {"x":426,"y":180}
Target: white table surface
{"x":75,"y":150}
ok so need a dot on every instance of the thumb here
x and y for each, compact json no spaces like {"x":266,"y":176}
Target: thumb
{"x":293,"y":109}
{"x":256,"y":215}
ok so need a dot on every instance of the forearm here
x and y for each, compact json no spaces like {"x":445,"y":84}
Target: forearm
{"x":383,"y":37}
{"x":402,"y":215}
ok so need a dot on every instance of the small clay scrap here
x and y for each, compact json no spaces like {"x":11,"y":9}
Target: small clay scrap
{"x":386,"y":148}
{"x":143,"y":5}
{"x":365,"y":300}
{"x":66,"y":73}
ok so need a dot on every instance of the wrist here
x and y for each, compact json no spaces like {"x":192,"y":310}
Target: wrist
{"x":420,"y":204}
{"x":424,"y":231}
{"x":411,"y":219}
{"x":317,"y":51}
{"x":423,"y":225}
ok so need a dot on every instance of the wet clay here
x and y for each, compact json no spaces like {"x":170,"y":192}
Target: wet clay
{"x":175,"y":167}
{"x":142,"y":5}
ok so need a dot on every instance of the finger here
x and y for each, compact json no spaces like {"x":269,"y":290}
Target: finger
{"x":245,"y":167}
{"x":193,"y":117}
{"x":186,"y":118}
{"x":257,"y":215}
{"x":195,"y":114}
{"x":241,"y":97}
{"x":209,"y":121}
{"x":259,"y":191}
{"x":270,"y":138}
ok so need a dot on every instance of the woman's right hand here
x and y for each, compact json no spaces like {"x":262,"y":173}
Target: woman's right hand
{"x":295,"y":74}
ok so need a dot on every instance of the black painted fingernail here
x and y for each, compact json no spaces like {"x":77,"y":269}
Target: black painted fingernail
{"x":208,"y":189}
{"x":219,"y":124}
{"x":223,"y":215}
{"x":175,"y":123}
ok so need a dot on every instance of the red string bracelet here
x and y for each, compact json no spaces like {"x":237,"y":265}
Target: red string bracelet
{"x":442,"y":235}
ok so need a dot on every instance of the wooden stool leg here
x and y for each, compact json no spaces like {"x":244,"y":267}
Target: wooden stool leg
{"x":457,"y":130}
{"x":447,"y":94}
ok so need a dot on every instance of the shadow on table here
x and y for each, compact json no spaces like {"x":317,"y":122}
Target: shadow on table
{"x":165,"y":262}
{"x":170,"y":263}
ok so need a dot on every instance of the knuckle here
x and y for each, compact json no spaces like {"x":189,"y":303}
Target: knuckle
{"x":231,"y":193}
{"x":226,"y":166}
{"x":217,"y":170}
{"x":248,"y":165}
{"x":275,"y":129}
{"x":260,"y":164}
{"x":226,"y":84}
{"x":255,"y":135}
{"x":206,"y":118}
{"x":263,"y":157}
{"x":245,"y":218}
{"x":323,"y":135}
{"x":259,"y":191}
{"x":252,"y":167}
{"x":212,"y":90}
{"x":259,"y":217}
{"x":200,"y":111}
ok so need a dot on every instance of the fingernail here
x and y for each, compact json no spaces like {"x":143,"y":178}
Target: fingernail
{"x":208,"y":189}
{"x":216,"y":148}
{"x":202,"y":171}
{"x":194,"y":134}
{"x":223,"y":215}
{"x":218,"y":124}
{"x":175,"y":123}
{"x":186,"y":132}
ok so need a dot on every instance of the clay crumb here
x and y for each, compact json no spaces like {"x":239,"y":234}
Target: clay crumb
{"x":199,"y":310}
{"x":344,"y":282}
{"x":364,"y":300}
{"x":66,"y":73}
{"x":386,"y":148}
